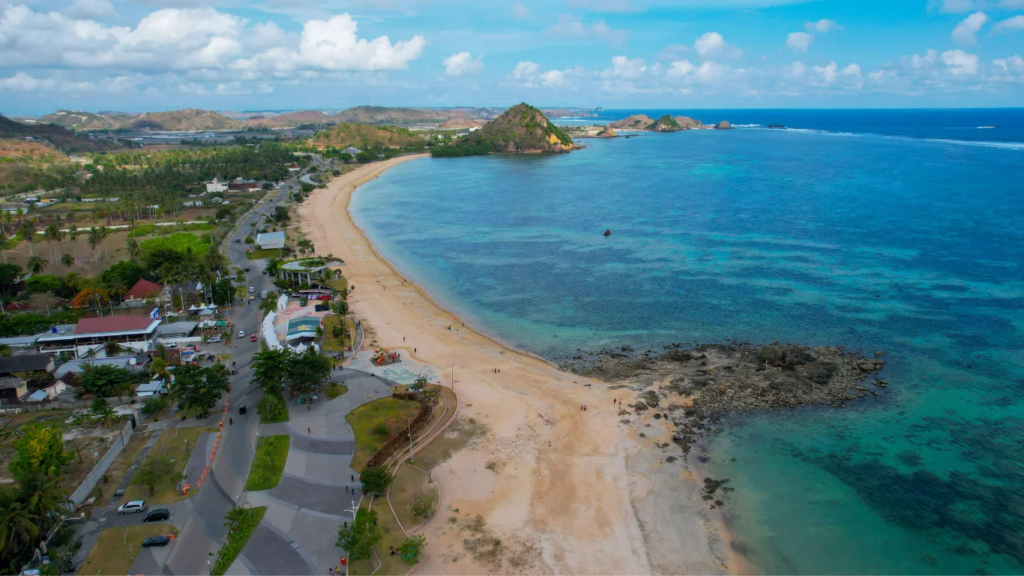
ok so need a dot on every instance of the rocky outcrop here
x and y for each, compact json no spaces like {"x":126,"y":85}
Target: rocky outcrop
{"x":634,"y":122}
{"x":665,"y":124}
{"x":607,"y":132}
{"x":723,"y":125}
{"x":688,"y":123}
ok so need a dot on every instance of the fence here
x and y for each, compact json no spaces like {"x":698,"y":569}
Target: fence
{"x":87,"y":485}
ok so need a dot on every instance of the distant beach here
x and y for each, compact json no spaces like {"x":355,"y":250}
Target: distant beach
{"x":564,"y":489}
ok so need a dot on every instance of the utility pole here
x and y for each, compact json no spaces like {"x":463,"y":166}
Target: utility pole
{"x":411,"y":458}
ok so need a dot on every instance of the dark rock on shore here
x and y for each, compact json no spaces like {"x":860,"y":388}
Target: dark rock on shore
{"x":710,"y":381}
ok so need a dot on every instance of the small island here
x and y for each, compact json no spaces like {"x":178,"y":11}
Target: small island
{"x":522,"y":129}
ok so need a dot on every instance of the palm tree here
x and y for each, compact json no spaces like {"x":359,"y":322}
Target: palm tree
{"x":28,"y":232}
{"x":67,"y":260}
{"x":36,"y":264}
{"x":94,"y":239}
{"x":117,"y":288}
{"x":234,"y":517}
{"x":215,"y":260}
{"x":76,"y":281}
{"x":3,"y":245}
{"x":47,"y":498}
{"x":131,"y":246}
{"x":17,"y":530}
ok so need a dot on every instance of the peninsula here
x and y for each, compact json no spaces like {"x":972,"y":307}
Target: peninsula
{"x":522,"y":129}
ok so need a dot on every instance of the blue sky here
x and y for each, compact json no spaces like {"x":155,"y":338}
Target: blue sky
{"x":293,"y":54}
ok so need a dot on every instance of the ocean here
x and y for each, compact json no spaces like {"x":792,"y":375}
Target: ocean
{"x":893,"y":231}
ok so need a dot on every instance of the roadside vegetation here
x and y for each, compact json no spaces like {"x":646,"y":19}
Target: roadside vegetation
{"x":158,"y":476}
{"x":268,"y":463}
{"x":241,"y":523}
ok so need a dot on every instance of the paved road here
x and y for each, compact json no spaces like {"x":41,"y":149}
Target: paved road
{"x":318,"y":488}
{"x":203,"y":531}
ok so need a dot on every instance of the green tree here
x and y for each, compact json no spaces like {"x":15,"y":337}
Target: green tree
{"x":39,"y":451}
{"x":102,"y":411}
{"x":67,"y":260}
{"x":361,"y":536}
{"x":104,"y":380}
{"x":376,"y":480}
{"x":44,"y":499}
{"x":307,"y":371}
{"x":153,"y":471}
{"x":8,"y":272}
{"x":18,"y":530}
{"x":235,"y":517}
{"x":423,"y":506}
{"x":305,"y":246}
{"x":223,"y":292}
{"x":132,"y":248}
{"x":199,"y":388}
{"x":270,"y":367}
{"x":36,"y":264}
{"x":409,"y":550}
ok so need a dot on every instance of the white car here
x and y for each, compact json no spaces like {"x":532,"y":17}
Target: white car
{"x":214,"y":340}
{"x":133,"y":507}
{"x":241,"y":333}
{"x":251,"y":289}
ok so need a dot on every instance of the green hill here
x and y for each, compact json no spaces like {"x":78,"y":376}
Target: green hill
{"x":392,"y":116}
{"x":364,"y":136}
{"x":86,"y":121}
{"x":520,"y":129}
{"x":188,"y":120}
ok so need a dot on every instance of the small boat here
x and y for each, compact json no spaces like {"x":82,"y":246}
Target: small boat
{"x":607,"y":232}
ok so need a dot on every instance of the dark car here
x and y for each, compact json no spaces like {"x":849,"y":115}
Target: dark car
{"x":238,"y":239}
{"x":158,"y":515}
{"x":241,"y":409}
{"x":155,"y":541}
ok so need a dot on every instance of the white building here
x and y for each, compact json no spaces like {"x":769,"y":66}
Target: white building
{"x":215,"y":186}
{"x":270,"y":240}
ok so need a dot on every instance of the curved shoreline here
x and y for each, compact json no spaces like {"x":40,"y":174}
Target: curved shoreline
{"x":408,"y":282}
{"x":572,"y":491}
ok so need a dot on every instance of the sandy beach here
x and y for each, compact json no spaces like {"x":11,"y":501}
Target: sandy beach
{"x":565,"y":491}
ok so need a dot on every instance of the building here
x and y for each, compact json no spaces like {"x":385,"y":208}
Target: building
{"x":154,"y":388}
{"x":144,"y":289}
{"x":26,"y":364}
{"x":352,"y":151}
{"x":12,"y":390}
{"x":294,"y":168}
{"x":51,"y":390}
{"x":215,"y":186}
{"x":307,"y":270}
{"x":133,"y":363}
{"x":270,"y":240}
{"x":240,"y":185}
{"x":90,"y":335}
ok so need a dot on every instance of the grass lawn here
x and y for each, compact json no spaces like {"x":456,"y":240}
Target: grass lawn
{"x":332,"y":344}
{"x":409,"y":483}
{"x":339,"y":284}
{"x":113,"y":555}
{"x":366,"y":421}
{"x":334,"y":390}
{"x":180,"y":241}
{"x":392,"y":535}
{"x":236,"y":540}
{"x":260,"y":254}
{"x":171,"y":446}
{"x":268,"y":464}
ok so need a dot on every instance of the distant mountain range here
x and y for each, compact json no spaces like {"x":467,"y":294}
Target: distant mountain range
{"x":196,"y":120}
{"x":48,"y":134}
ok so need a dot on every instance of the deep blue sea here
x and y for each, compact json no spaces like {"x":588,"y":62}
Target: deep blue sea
{"x":894,"y":231}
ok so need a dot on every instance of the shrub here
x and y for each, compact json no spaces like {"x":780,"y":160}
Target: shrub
{"x":380,"y":430}
{"x":411,"y":547}
{"x":376,"y":480}
{"x":423,"y":506}
{"x":272,"y":408}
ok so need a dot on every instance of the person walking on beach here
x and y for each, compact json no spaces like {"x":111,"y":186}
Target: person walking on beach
{"x":308,"y":430}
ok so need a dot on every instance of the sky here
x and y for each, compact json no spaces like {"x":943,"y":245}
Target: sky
{"x":142,"y":55}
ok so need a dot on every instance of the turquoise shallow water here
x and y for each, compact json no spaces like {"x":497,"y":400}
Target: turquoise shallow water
{"x":893,"y":244}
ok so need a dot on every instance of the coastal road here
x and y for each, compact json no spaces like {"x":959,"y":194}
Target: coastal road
{"x":196,"y":547}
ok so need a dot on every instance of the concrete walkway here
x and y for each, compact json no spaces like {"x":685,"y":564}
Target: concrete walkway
{"x":318,"y":489}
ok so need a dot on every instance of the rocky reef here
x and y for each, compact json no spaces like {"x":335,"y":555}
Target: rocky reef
{"x":695,"y":386}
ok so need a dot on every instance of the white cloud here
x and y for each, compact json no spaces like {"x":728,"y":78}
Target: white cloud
{"x":821,"y":26}
{"x":917,"y":62}
{"x":799,"y":41}
{"x":525,"y":70}
{"x":1011,"y":24}
{"x":1011,"y":64}
{"x":712,"y":45}
{"x":960,"y":63}
{"x":91,"y":9}
{"x":797,"y":69}
{"x":968,"y":28}
{"x":520,"y":11}
{"x":852,"y":70}
{"x":708,"y":73}
{"x":571,"y":27}
{"x":23,"y":82}
{"x":194,"y":39}
{"x":828,"y":73}
{"x":625,"y":68}
{"x":462,"y":64}
{"x":555,"y":78}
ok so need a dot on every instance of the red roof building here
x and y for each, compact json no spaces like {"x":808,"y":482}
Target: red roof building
{"x":110,"y":324}
{"x":136,"y":332}
{"x":144,"y":289}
